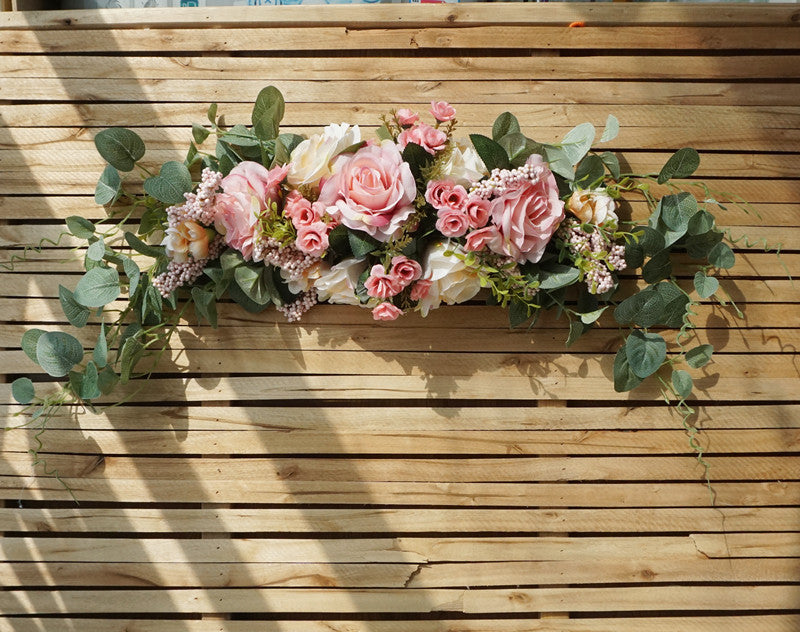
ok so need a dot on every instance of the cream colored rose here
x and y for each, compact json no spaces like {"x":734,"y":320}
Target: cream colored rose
{"x":338,"y":284}
{"x":187,"y":238}
{"x":463,"y":165}
{"x":302,"y":282}
{"x":593,"y":206}
{"x":451,"y":280}
{"x":311,"y":159}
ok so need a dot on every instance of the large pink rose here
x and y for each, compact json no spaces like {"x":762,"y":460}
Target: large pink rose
{"x":527,"y":215}
{"x":371,"y":190}
{"x":237,"y":218}
{"x":427,"y":137}
{"x":255,"y":180}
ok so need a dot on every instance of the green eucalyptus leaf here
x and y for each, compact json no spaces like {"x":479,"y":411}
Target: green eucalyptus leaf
{"x":29,"y":340}
{"x":199,"y":133}
{"x":611,"y":130}
{"x":517,"y":147}
{"x":256,"y":284}
{"x":657,"y":268}
{"x":646,"y":352}
{"x":96,"y":250}
{"x":89,"y":388}
{"x":22,"y":390}
{"x":383,"y":133}
{"x":634,"y":255}
{"x":361,"y":244}
{"x":417,"y":159}
{"x":130,"y":354}
{"x":624,"y":378}
{"x":590,"y":317}
{"x":120,"y":147}
{"x":681,"y":164}
{"x":57,"y":352}
{"x":721,"y":256}
{"x":205,"y":305}
{"x":559,"y":161}
{"x":109,"y":186}
{"x":682,"y":383}
{"x":132,"y":272}
{"x":590,"y":170}
{"x":170,"y":184}
{"x":557,"y":275}
{"x":142,"y":248}
{"x":674,"y":304}
{"x":491,"y":152}
{"x":699,"y":246}
{"x":212,"y":113}
{"x":100,"y":353}
{"x":98,"y":287}
{"x":700,"y":223}
{"x":677,"y":210}
{"x":705,"y":285}
{"x":699,"y":356}
{"x":578,"y":141}
{"x":644,"y":308}
{"x":576,"y":330}
{"x":77,"y":314}
{"x":612,"y":163}
{"x":518,"y":313}
{"x":107,"y":380}
{"x":240,"y":136}
{"x":504,"y":124}
{"x":79,"y":226}
{"x":268,"y":112}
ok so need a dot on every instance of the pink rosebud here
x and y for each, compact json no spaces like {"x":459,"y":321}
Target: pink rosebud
{"x":406,"y":117}
{"x":405,"y":270}
{"x":483,"y":238}
{"x":446,"y":195}
{"x":386,"y":311}
{"x":313,"y":239}
{"x":300,"y":210}
{"x":442,"y":111}
{"x":420,"y":289}
{"x":381,"y":284}
{"x":477,"y":210}
{"x":452,"y":223}
{"x":427,"y":137}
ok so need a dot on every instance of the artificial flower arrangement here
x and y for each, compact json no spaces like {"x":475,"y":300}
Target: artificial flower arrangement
{"x":406,"y":221}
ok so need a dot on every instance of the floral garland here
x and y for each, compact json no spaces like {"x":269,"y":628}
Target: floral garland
{"x":403,"y":222}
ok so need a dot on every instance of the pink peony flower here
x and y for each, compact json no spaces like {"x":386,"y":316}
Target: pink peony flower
{"x":371,"y":190}
{"x":300,"y":210}
{"x":405,"y":270}
{"x":313,"y":239}
{"x":446,"y":195}
{"x":420,"y":289}
{"x":427,"y":137}
{"x":477,"y":209}
{"x":483,"y":238}
{"x":381,"y":284}
{"x":406,"y":117}
{"x":237,"y":218}
{"x":254,"y":180}
{"x":452,"y":223}
{"x":527,"y":215}
{"x":442,"y":111}
{"x":386,"y":311}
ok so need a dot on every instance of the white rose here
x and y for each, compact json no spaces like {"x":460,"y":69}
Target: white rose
{"x":311,"y":159}
{"x":451,"y":280}
{"x":593,"y":206}
{"x":464,"y":165}
{"x":338,"y":284}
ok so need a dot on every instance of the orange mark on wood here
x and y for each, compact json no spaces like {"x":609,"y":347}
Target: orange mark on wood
{"x":577,"y":25}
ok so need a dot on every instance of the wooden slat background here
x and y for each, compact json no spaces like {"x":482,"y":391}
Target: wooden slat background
{"x":442,"y":475}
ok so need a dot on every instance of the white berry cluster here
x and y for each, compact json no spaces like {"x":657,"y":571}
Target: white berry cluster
{"x":286,"y":257}
{"x":602,"y":257}
{"x":179,"y":274}
{"x":198,"y":206}
{"x":501,"y":179}
{"x":294,"y":311}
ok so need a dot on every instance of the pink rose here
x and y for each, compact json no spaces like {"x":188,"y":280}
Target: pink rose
{"x":420,"y":289}
{"x":484,"y":238}
{"x":527,"y":215}
{"x":442,"y":111}
{"x":313,"y":239}
{"x":254,"y":180}
{"x":300,"y":210}
{"x":371,"y":190}
{"x":446,"y":195}
{"x":237,"y":217}
{"x":386,"y":311}
{"x":381,"y":284}
{"x":477,"y":210}
{"x":405,"y":270}
{"x":452,"y":223}
{"x":427,"y":137}
{"x":406,"y":117}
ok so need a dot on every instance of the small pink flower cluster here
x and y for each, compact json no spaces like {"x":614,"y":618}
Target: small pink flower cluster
{"x":311,"y":221}
{"x":383,"y":284}
{"x":430,"y":138}
{"x":457,"y":211}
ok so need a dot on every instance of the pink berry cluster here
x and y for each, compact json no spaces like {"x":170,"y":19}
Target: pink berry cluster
{"x":601,"y":257}
{"x":179,"y":274}
{"x":501,"y":179}
{"x":286,"y":257}
{"x":294,"y":311}
{"x":198,"y":206}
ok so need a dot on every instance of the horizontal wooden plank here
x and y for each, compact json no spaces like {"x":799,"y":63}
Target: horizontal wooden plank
{"x":405,"y":16}
{"x":394,"y":67}
{"x":289,"y":600}
{"x":244,"y":574}
{"x":505,"y":92}
{"x":526,"y":469}
{"x":327,"y":37}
